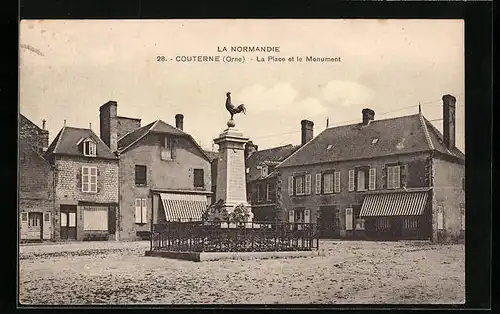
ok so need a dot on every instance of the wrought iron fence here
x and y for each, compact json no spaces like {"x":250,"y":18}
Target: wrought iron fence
{"x":221,"y":236}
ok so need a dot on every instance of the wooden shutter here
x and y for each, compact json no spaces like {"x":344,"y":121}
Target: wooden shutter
{"x":384,"y":177}
{"x":440,"y":217}
{"x":138,"y":211}
{"x":144,"y":209}
{"x":351,"y":180}
{"x":318,"y":183}
{"x":291,"y":215}
{"x":307,"y":215}
{"x":307,"y":184}
{"x":336,"y":181}
{"x":23,"y":223}
{"x":348,"y":219}
{"x":462,"y":217}
{"x":47,"y":226}
{"x":99,"y":181}
{"x":372,"y":178}
{"x":85,"y":179}
{"x":402,"y":175}
{"x":397,"y":177}
{"x":290,"y":185}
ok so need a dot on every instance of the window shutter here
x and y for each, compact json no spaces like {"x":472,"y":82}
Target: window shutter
{"x":440,"y":217}
{"x":402,"y":176}
{"x":144,"y":211}
{"x":372,"y":179}
{"x":307,"y":215}
{"x":348,"y":219}
{"x":79,"y":182}
{"x":290,"y":185}
{"x":318,"y":183}
{"x":336,"y":181}
{"x":138,"y":211}
{"x":99,"y":182}
{"x":291,"y":216}
{"x":462,"y":215}
{"x":47,"y":226}
{"x":351,"y":180}
{"x":308,"y":184}
{"x":23,"y":223}
{"x":384,"y":177}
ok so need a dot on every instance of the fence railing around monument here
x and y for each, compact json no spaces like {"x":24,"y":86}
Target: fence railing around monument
{"x":220,"y":236}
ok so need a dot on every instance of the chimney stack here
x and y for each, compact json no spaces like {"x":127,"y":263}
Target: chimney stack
{"x":43,"y":124}
{"x":307,"y":131}
{"x":449,"y":121}
{"x":179,"y":121}
{"x":109,"y":124}
{"x":368,"y":115}
{"x":250,"y":148}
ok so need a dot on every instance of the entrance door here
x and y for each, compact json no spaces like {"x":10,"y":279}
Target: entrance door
{"x":328,"y":222}
{"x":396,"y":228}
{"x":68,"y":222}
{"x":35,"y":225}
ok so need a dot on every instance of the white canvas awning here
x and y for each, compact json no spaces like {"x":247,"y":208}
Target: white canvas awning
{"x":183,"y":207}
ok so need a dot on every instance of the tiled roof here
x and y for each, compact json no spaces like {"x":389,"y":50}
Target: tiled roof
{"x":380,"y":138}
{"x":270,"y":156}
{"x":157,"y":126}
{"x":66,"y":143}
{"x":212,"y":155}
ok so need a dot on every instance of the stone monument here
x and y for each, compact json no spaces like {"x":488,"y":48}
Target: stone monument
{"x":231,"y":176}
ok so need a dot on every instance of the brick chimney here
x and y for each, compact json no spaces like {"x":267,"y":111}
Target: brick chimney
{"x":109,"y":124}
{"x":44,"y":137}
{"x":449,"y":121}
{"x":179,"y":121}
{"x":250,"y":148}
{"x":307,"y":131}
{"x":368,"y":115}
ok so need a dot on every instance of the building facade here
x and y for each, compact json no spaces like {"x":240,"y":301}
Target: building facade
{"x":163,"y":175}
{"x":36,"y":183}
{"x":85,"y":184}
{"x":398,"y":178}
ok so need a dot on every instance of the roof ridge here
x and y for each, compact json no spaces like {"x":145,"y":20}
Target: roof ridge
{"x":300,"y":148}
{"x":263,"y":150}
{"x":372,"y":121}
{"x":426,"y":131}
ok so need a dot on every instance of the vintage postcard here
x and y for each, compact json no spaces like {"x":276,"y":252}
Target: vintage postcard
{"x":241,"y":162}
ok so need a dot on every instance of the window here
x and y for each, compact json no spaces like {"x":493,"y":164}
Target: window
{"x":328,"y":183}
{"x":383,"y":223}
{"x":299,"y":185}
{"x":95,"y":218}
{"x":360,"y":222}
{"x":393,"y":177}
{"x":89,"y":179}
{"x":199,"y":180}
{"x":140,"y":175}
{"x":89,"y":148}
{"x":440,"y":217}
{"x":348,"y":219}
{"x":361,"y":180}
{"x":372,"y":178}
{"x":46,"y":217}
{"x":271,"y":192}
{"x":263,"y":171}
{"x":34,"y":220}
{"x":260,"y":193}
{"x":337,"y":181}
{"x":167,"y":153}
{"x":374,"y":141}
{"x":351,"y":180}
{"x":410,"y":223}
{"x":140,"y":211}
{"x":462,"y":217}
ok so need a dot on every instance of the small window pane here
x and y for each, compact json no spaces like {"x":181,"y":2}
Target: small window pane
{"x":93,"y":171}
{"x":85,"y":170}
{"x":85,"y":187}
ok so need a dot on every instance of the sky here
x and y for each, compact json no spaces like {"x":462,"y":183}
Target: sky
{"x":68,"y":68}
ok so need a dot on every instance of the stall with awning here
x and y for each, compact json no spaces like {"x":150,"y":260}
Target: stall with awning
{"x":183,"y":207}
{"x":405,"y":203}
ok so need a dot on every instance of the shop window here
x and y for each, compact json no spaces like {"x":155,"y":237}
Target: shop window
{"x":383,"y":223}
{"x":410,"y":223}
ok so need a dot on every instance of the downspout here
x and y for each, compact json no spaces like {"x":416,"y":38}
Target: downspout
{"x":54,"y":169}
{"x":118,"y":210}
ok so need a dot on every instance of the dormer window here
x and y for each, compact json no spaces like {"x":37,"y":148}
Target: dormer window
{"x":88,"y":147}
{"x":263,"y":171}
{"x":167,"y":152}
{"x":374,"y":141}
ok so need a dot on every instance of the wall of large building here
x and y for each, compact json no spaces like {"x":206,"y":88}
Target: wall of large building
{"x":176,"y":174}
{"x":414,"y":176}
{"x":448,"y":194}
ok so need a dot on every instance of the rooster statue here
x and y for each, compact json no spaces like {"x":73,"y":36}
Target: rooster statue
{"x":231,"y":108}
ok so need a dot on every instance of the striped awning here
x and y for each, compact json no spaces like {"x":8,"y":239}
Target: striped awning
{"x":394,"y":204}
{"x":183,"y":207}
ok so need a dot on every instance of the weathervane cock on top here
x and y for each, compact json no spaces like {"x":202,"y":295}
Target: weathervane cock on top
{"x":233,"y":110}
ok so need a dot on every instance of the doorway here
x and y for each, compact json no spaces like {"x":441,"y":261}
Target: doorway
{"x":328,"y":224}
{"x":68,"y":222}
{"x":35,"y":228}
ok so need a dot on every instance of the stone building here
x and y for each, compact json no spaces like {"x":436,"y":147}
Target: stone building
{"x":164,"y":175}
{"x":36,"y":178}
{"x":380,"y":179}
{"x":86,"y":185}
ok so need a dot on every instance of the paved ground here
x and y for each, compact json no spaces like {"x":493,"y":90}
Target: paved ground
{"x":351,"y":272}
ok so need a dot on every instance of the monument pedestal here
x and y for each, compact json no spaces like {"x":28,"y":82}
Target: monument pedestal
{"x":231,"y":174}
